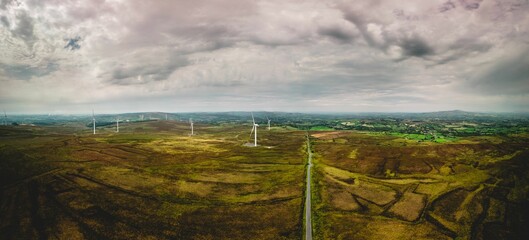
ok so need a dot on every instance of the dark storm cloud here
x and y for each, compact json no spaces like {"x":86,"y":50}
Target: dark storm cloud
{"x":412,"y":46}
{"x":416,"y":47}
{"x":73,"y":43}
{"x":361,"y":26}
{"x":509,"y":76}
{"x":26,"y":72}
{"x":336,"y":33}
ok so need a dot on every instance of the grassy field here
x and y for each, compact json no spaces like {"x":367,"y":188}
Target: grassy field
{"x":154,"y":181}
{"x":151,"y":181}
{"x":376,"y":186}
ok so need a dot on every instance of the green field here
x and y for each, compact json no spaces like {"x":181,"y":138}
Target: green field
{"x":321,"y":128}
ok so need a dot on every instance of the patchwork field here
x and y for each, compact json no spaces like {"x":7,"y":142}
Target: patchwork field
{"x":151,"y":181}
{"x":154,"y":181}
{"x":376,"y":186}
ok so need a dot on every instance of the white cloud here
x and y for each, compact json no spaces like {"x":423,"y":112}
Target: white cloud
{"x":274,"y":55}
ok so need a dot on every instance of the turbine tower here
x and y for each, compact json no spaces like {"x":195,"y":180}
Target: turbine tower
{"x":94,"y":121}
{"x":117,"y":124}
{"x":191,"y":122}
{"x":254,"y":128}
{"x":268,"y":123}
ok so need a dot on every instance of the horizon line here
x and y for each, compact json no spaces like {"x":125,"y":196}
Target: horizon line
{"x":266,"y":111}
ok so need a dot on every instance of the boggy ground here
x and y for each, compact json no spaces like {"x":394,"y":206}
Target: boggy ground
{"x":375,"y":186}
{"x":151,"y":181}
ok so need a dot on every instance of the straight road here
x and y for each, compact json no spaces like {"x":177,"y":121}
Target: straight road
{"x":308,"y":216}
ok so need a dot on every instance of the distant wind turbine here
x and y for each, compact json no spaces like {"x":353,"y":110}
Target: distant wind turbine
{"x":268,"y":123}
{"x":117,"y":124}
{"x":254,"y":128}
{"x":191,"y":122}
{"x":5,"y":118}
{"x":94,"y":121}
{"x":166,"y":117}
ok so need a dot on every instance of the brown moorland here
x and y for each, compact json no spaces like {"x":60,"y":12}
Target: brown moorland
{"x":151,"y":181}
{"x":375,"y":186}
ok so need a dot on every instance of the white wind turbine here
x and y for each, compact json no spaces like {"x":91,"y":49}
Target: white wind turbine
{"x":117,"y":124}
{"x":94,"y":121}
{"x":254,"y":128}
{"x":191,"y":122}
{"x":5,"y":118}
{"x":268,"y":123}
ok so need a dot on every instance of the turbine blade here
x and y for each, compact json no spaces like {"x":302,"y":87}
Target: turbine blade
{"x":253,"y":119}
{"x":253,"y":127}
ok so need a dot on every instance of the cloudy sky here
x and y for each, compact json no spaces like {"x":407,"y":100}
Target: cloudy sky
{"x":62,"y":56}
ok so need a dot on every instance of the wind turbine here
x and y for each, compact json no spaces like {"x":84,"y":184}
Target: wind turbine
{"x":94,"y":121}
{"x":166,"y":117}
{"x":5,"y":118}
{"x":254,"y":128}
{"x":268,"y":123}
{"x":191,"y":122}
{"x":117,"y":124}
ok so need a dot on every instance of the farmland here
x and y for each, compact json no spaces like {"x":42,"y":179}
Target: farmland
{"x":152,"y":180}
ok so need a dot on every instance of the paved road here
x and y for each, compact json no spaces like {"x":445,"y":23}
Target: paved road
{"x":308,"y":216}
